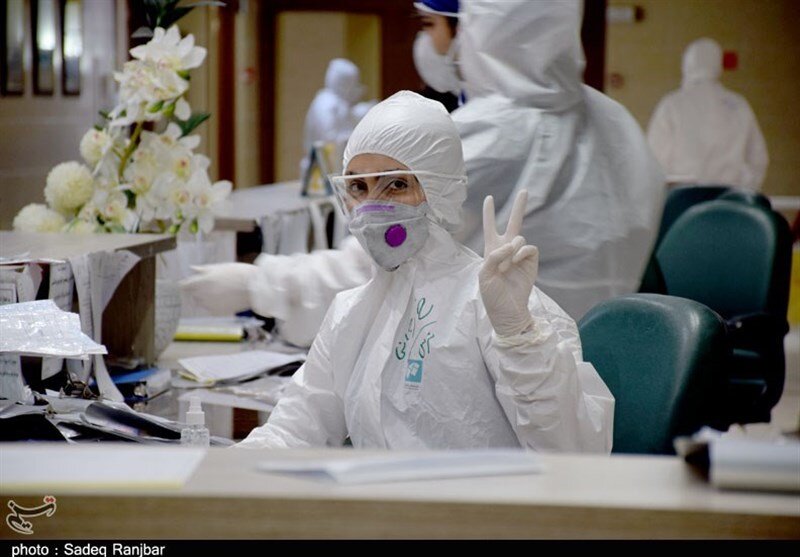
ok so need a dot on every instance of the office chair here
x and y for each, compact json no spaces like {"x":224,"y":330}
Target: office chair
{"x":736,"y":259}
{"x":747,"y":197}
{"x":682,"y":198}
{"x":678,"y":201}
{"x":662,"y":358}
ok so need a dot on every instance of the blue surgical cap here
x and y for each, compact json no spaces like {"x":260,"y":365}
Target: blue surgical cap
{"x":444,"y":7}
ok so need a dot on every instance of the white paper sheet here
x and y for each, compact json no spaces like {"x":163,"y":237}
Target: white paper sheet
{"x":60,"y":290}
{"x":82,"y":467}
{"x":232,"y":367}
{"x":399,"y":467}
{"x":11,"y":385}
{"x":97,"y":276}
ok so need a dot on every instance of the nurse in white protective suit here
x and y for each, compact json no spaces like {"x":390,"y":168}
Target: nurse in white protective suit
{"x":335,"y":110}
{"x":441,"y":349}
{"x":595,"y":192}
{"x":705,"y":134}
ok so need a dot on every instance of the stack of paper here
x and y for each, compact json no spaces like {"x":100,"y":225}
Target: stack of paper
{"x":738,"y":463}
{"x":233,"y":367}
{"x":744,"y":460}
{"x":393,"y":468}
{"x":217,"y":329}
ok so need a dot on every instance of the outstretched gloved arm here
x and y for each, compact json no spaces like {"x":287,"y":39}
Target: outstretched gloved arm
{"x":295,"y":289}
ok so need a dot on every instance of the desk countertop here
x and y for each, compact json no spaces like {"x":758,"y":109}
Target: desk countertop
{"x":63,"y":246}
{"x":574,"y":497}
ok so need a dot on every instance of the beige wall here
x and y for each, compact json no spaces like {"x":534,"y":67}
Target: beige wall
{"x":203,"y":23}
{"x":248,"y":102}
{"x":763,"y":33}
{"x":306,"y":42}
{"x":36,"y":133}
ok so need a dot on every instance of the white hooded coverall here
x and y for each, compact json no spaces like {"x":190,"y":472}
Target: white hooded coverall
{"x":331,"y":117}
{"x":410,"y":360}
{"x":705,"y":134}
{"x":595,"y":192}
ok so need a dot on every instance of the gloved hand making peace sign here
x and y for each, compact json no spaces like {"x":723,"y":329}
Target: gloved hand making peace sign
{"x":509,"y":270}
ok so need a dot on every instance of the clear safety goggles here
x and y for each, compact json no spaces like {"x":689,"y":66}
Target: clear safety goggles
{"x":396,"y":186}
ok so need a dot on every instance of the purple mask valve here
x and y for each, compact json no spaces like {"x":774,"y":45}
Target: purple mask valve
{"x":395,"y":235}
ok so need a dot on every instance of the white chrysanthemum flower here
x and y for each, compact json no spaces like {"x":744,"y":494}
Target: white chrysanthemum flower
{"x":168,"y":50}
{"x":69,"y":186}
{"x":94,"y":145}
{"x":37,"y":217}
{"x":80,"y":226}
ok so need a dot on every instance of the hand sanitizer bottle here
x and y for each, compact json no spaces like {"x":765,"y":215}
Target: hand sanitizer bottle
{"x":195,"y":434}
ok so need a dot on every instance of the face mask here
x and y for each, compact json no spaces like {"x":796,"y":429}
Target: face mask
{"x":391,"y":233}
{"x":436,"y":70}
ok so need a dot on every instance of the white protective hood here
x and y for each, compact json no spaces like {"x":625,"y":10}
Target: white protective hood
{"x":595,"y":192}
{"x":705,"y":134}
{"x":410,"y":360}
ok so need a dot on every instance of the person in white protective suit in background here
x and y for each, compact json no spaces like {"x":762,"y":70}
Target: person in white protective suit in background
{"x":705,"y":134}
{"x":435,"y":47}
{"x":595,"y":192}
{"x":442,"y":348}
{"x":335,"y":110}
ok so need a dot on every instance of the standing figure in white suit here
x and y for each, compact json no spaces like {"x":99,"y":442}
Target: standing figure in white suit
{"x":334,"y":112}
{"x":442,"y":348}
{"x":705,"y":134}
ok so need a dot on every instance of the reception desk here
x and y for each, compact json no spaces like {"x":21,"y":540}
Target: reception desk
{"x":573,"y":497}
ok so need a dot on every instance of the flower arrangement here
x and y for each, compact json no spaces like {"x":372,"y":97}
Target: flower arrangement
{"x":133,"y":179}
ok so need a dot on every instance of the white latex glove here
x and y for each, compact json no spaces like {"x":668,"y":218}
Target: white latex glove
{"x":508,"y":272}
{"x":222,"y":288}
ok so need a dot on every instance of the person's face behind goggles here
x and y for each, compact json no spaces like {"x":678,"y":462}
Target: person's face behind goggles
{"x":394,"y":186}
{"x":385,"y":210}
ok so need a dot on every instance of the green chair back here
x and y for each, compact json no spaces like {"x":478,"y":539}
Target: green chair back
{"x":662,"y":359}
{"x":734,"y":258}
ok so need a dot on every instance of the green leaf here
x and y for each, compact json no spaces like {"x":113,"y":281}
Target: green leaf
{"x":184,"y":74}
{"x":104,"y":114}
{"x":193,"y":228}
{"x":170,"y":110}
{"x":188,"y":126}
{"x":172,"y":16}
{"x":155,"y":107}
{"x":174,"y":228}
{"x":152,"y":9}
{"x":131,"y":199}
{"x":216,"y":3}
{"x":98,"y":127}
{"x":142,"y":32}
